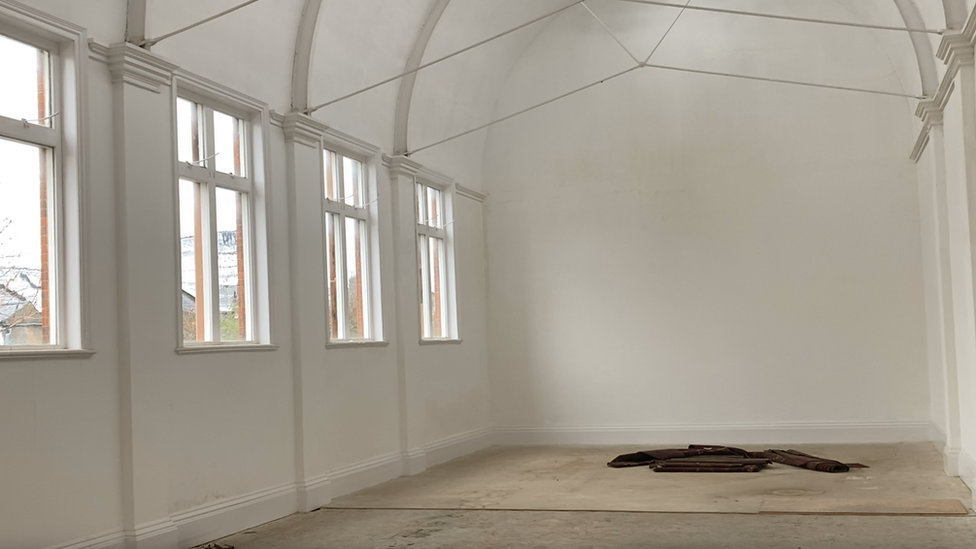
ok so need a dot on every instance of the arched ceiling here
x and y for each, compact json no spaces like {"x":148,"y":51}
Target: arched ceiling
{"x":296,"y":52}
{"x":459,"y":95}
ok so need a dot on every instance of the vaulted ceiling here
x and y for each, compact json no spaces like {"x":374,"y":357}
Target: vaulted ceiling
{"x":307,"y":52}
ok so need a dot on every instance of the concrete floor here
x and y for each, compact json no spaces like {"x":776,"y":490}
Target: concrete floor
{"x":350,"y":529}
{"x":567,"y":497}
{"x":902,"y":479}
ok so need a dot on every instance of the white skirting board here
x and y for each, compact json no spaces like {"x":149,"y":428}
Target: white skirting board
{"x":775,"y":433}
{"x":108,"y":540}
{"x":228,"y":516}
{"x":967,"y":471}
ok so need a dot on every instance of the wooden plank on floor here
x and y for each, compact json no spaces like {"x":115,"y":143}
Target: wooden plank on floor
{"x":839,"y":506}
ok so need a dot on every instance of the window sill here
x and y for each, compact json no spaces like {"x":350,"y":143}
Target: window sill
{"x":356,"y":344}
{"x":211,"y":349}
{"x":441,"y":341}
{"x":44,"y":354}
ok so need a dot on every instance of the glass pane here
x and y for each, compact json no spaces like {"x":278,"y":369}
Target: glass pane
{"x":26,"y":275}
{"x":434,"y":208}
{"x":438,"y":312}
{"x":331,"y":176}
{"x":232,"y":271}
{"x":421,"y":203}
{"x":424,"y":276}
{"x":188,"y":130}
{"x":355,"y":279}
{"x":331,"y":255}
{"x":227,"y":144}
{"x":193,"y":294}
{"x":25,"y":91}
{"x":352,"y":171}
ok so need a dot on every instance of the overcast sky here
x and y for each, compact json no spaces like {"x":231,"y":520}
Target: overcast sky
{"x":19,"y":163}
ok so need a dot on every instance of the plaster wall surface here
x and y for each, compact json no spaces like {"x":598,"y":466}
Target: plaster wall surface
{"x":210,"y":430}
{"x":60,"y":429}
{"x":684,"y":235}
{"x":931,"y":265}
{"x":962,"y":269}
{"x":670,"y":249}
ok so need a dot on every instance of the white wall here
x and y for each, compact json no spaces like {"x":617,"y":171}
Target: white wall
{"x":61,"y":473}
{"x":681,"y":250}
{"x":928,"y":205}
{"x":713,"y":238}
{"x":180,"y":449}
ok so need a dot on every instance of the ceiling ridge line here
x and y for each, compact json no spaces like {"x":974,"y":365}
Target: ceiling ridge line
{"x":310,"y":110}
{"x":784,"y":17}
{"x":670,"y":68}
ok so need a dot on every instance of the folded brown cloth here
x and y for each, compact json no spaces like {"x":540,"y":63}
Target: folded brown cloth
{"x":806,"y":461}
{"x":649,"y":457}
{"x":709,"y":460}
{"x":708,"y":468}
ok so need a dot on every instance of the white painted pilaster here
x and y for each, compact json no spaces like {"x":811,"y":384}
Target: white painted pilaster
{"x":303,"y":142}
{"x":145,"y":202}
{"x":403,"y":173}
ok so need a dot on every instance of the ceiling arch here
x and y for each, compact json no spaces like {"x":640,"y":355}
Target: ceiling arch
{"x":954,"y":10}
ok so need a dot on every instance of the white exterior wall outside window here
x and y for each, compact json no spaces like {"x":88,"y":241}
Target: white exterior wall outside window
{"x":347,"y":240}
{"x":221,"y":281}
{"x":40,"y":179}
{"x":435,"y":254}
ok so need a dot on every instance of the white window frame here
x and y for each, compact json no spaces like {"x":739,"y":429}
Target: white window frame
{"x":67,"y":46}
{"x":369,"y":156}
{"x":428,"y":178}
{"x":256,"y":117}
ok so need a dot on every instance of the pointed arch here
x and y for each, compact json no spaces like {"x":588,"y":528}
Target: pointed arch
{"x":137,"y":18}
{"x":303,"y":54}
{"x":955,"y":13}
{"x":928,"y":74}
{"x":407,"y":84}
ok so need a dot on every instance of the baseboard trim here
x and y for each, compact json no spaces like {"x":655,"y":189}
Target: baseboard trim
{"x":161,"y":534}
{"x":108,"y":540}
{"x":365,"y":474}
{"x":314,"y":493}
{"x":458,"y":446}
{"x":228,"y":516}
{"x":777,"y":433}
{"x":938,"y":435}
{"x":414,"y":462}
{"x":967,"y":472}
{"x":219,"y":519}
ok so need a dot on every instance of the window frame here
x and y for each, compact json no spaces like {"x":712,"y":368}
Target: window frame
{"x":424,"y":179}
{"x":369,"y":156}
{"x":67,"y":49}
{"x":254,"y":183}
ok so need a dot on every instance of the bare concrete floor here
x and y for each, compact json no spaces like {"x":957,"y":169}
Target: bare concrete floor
{"x":902,"y":479}
{"x":567,"y":498}
{"x":352,"y":529}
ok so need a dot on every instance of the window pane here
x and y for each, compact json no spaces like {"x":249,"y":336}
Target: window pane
{"x":232,"y":271}
{"x":352,"y":171}
{"x":421,"y":205}
{"x":188,"y":130}
{"x":424,"y":276}
{"x":332,"y":254}
{"x":192,"y":265}
{"x":355,"y":274}
{"x":25,"y":91}
{"x":227,"y":144}
{"x":434,"y":209}
{"x":331,"y":176}
{"x":437,"y":269}
{"x":26,"y":248}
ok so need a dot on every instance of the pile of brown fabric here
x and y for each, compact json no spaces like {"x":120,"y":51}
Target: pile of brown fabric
{"x":726,"y":459}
